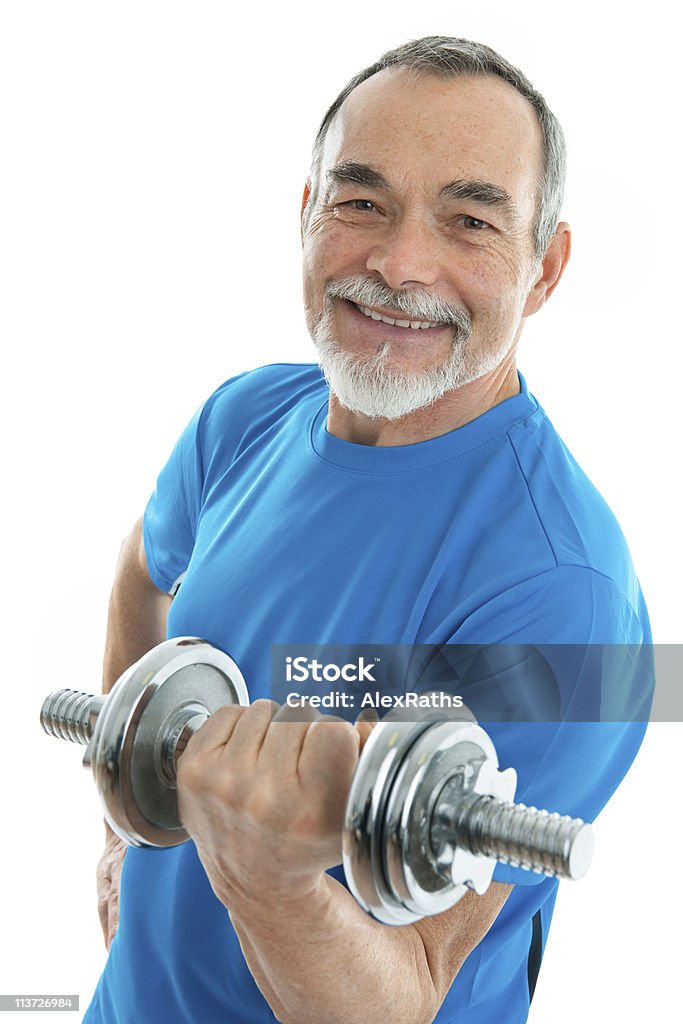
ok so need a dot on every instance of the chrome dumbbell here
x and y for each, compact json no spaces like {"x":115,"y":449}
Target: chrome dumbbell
{"x":428,"y":814}
{"x":136,"y":733}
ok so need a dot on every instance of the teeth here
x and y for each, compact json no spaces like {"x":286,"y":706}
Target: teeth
{"x":417,"y":325}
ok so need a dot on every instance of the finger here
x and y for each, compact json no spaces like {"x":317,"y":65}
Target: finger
{"x":285,"y":737}
{"x":364,"y":730}
{"x":113,"y":924}
{"x":326,"y":717}
{"x":103,"y":884}
{"x":326,"y":766}
{"x":217,"y":730}
{"x":287,"y":713}
{"x":103,"y":914}
{"x":249,"y":732}
{"x":368,"y":715}
{"x":333,"y":745}
{"x":365,"y":723}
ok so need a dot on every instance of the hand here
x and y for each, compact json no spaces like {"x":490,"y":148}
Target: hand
{"x":365,"y":723}
{"x":264,"y":798}
{"x":109,"y":884}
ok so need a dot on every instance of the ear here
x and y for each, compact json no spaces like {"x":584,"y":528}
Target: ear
{"x":551,"y":269}
{"x":304,"y":204}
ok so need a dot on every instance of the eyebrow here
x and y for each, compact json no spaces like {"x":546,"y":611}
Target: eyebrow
{"x":348,"y":171}
{"x":483,"y":192}
{"x":480,"y":191}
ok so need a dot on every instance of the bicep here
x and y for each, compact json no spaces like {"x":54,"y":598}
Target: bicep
{"x":132,"y":569}
{"x":449,"y":938}
{"x":138,"y":611}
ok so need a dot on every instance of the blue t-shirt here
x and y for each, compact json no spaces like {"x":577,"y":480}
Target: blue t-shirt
{"x":269,"y":530}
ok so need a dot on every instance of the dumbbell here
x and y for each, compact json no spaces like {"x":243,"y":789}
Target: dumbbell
{"x":136,"y":733}
{"x":428,"y":813}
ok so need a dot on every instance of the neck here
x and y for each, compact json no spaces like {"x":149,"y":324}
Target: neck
{"x":457,"y":407}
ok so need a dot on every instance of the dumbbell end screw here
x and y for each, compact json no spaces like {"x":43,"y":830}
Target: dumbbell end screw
{"x":551,"y":844}
{"x":71,"y":715}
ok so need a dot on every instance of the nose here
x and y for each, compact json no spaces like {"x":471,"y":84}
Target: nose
{"x":407,"y":254}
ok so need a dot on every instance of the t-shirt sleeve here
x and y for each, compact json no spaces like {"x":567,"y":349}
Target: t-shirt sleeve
{"x":172,"y":513}
{"x":572,"y":751}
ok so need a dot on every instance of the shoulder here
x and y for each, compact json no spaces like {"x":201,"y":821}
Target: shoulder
{"x":246,"y":406}
{"x":583,"y":539}
{"x":559,"y":569}
{"x":267,"y":389}
{"x":567,"y":604}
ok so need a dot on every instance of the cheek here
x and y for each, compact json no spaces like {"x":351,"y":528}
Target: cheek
{"x":315,"y":264}
{"x":491,"y":288}
{"x":326,"y":257}
{"x":314,"y":273}
{"x":330,"y":249}
{"x":323,"y":260}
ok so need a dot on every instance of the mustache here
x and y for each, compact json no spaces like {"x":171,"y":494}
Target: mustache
{"x":416,"y":304}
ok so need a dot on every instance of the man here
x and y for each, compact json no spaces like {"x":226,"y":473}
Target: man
{"x":425,"y":498}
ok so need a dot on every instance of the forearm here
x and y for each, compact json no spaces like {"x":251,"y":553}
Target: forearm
{"x":263,"y":800}
{"x":317,"y":956}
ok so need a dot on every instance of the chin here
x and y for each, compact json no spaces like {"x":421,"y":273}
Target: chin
{"x":373,"y":387}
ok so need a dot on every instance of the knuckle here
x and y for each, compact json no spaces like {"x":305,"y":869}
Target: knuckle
{"x":337,"y":740}
{"x":192,"y":771}
{"x":227,"y":714}
{"x":262,"y":708}
{"x":261,"y":802}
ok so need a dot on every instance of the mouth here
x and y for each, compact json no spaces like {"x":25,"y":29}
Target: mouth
{"x":375,"y":314}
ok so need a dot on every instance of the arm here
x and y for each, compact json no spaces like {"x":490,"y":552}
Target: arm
{"x":136,"y":622}
{"x":316,"y":955}
{"x":138,"y":611}
{"x":263,"y":800}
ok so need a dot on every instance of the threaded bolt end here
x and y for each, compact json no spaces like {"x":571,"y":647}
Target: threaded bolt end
{"x":70,"y":715}
{"x":551,"y":844}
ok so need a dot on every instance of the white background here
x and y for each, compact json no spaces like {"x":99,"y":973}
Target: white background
{"x":153,"y":156}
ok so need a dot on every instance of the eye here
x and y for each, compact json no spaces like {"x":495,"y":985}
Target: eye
{"x":474,"y":224}
{"x":362,"y":205}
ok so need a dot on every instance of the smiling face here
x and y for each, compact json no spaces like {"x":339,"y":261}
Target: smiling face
{"x":424,"y":215}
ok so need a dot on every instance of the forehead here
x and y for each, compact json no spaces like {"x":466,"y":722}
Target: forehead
{"x":424,"y":131}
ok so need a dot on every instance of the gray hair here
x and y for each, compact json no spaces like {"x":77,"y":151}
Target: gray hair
{"x":446,"y":56}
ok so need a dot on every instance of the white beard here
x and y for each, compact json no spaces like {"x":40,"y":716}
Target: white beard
{"x":371,"y":386}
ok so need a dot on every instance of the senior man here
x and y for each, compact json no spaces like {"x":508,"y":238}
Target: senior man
{"x":415,"y":493}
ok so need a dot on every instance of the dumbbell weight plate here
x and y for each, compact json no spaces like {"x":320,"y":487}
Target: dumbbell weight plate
{"x":425,"y":873}
{"x":126,"y":752}
{"x":363,"y":839}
